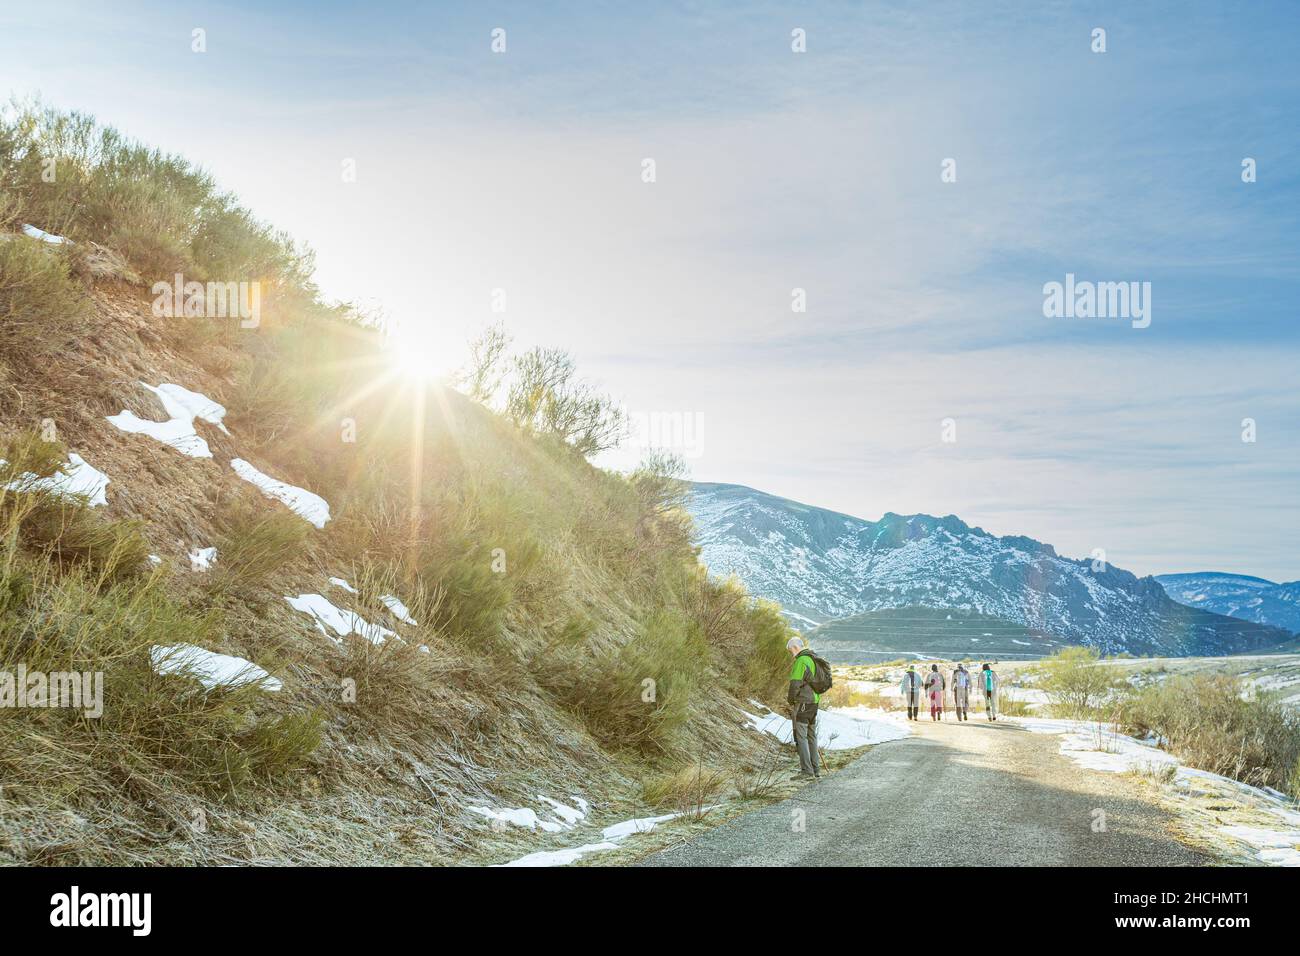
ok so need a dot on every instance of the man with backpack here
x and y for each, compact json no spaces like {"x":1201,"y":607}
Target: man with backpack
{"x":810,"y":677}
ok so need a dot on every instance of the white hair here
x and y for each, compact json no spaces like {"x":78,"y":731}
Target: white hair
{"x":795,"y":643}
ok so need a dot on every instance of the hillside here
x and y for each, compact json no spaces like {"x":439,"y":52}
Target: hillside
{"x":1238,"y":595}
{"x":821,"y":565}
{"x":340,"y":615}
{"x":953,"y":634}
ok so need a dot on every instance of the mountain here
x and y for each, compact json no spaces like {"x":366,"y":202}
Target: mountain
{"x":822,"y":565}
{"x":1237,"y":595}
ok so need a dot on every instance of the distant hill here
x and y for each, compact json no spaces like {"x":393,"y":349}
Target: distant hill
{"x":922,"y":631}
{"x":1237,"y":595}
{"x":822,"y":566}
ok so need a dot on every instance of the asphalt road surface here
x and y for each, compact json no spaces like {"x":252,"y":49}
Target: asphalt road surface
{"x":969,"y":794}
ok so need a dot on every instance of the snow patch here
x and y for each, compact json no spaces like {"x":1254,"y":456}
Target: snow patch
{"x":398,"y":609}
{"x":78,"y":478}
{"x":212,"y":669}
{"x":613,"y":837}
{"x":342,"y":622}
{"x":302,"y":502}
{"x":182,"y":407}
{"x":43,"y":236}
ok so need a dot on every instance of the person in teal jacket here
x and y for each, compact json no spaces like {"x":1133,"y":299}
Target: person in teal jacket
{"x":989,"y":684}
{"x":804,"y":700}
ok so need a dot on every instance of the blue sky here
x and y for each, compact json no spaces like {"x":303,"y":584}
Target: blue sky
{"x":777,"y":170}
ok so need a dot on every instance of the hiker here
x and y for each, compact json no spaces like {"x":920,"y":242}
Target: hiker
{"x":804,"y":699}
{"x":961,"y":691}
{"x":989,"y":681}
{"x":910,"y":688}
{"x":934,"y":686}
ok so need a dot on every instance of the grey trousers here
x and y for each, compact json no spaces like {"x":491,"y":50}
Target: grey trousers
{"x":805,"y":739}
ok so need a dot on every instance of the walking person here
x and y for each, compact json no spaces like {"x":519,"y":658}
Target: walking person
{"x":934,"y":686}
{"x":989,"y":681}
{"x":801,"y":695}
{"x":910,"y":688}
{"x":961,"y":691}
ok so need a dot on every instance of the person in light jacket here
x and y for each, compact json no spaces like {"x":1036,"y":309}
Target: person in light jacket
{"x":910,"y":688}
{"x":934,"y":688}
{"x":961,"y":691}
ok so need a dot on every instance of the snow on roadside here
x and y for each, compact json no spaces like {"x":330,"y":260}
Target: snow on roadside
{"x":528,"y":819}
{"x":78,"y":478}
{"x":182,"y":407}
{"x":612,"y":838}
{"x":340,"y":621}
{"x":841,"y":728}
{"x":1099,"y":746}
{"x":302,"y":502}
{"x":212,"y":669}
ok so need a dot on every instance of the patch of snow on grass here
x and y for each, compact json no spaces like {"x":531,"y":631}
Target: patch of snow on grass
{"x":342,"y":622}
{"x":340,"y":583}
{"x":302,"y":502}
{"x":182,"y":407}
{"x":211,"y":669}
{"x":566,"y":813}
{"x":398,"y":609}
{"x":1276,"y":847}
{"x":612,"y":835}
{"x":561,"y":857}
{"x":78,"y":479}
{"x":43,"y":236}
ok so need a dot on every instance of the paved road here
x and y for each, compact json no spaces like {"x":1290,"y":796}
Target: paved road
{"x":968,"y":794}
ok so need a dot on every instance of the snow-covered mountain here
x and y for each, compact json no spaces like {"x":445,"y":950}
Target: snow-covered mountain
{"x":822,"y":565}
{"x":1237,"y":595}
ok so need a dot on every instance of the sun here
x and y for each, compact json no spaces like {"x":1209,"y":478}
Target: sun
{"x":423,"y":352}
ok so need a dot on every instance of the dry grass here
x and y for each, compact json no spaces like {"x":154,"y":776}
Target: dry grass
{"x":689,"y":790}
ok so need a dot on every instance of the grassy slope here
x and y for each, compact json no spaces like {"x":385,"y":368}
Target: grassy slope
{"x":537,"y":677}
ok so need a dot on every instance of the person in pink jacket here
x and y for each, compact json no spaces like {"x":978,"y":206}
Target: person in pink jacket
{"x":934,"y":688}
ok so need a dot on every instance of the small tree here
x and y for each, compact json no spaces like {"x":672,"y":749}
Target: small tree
{"x":482,"y":375}
{"x":1076,"y":682}
{"x":546,"y":397}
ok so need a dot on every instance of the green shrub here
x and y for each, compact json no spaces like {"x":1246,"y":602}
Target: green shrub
{"x":41,"y":304}
{"x":255,"y":542}
{"x":1077,"y":685}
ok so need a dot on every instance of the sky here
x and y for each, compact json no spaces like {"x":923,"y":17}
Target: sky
{"x":823,"y":171}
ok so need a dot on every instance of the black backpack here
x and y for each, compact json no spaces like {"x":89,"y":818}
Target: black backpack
{"x":820,"y":679}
